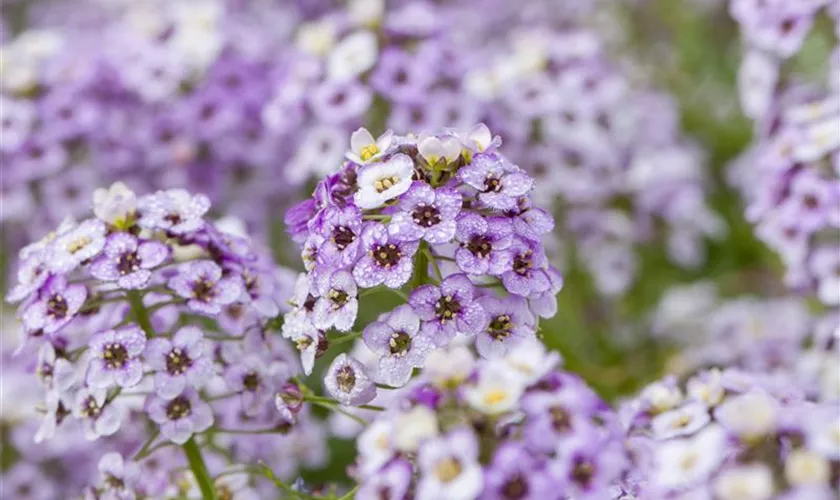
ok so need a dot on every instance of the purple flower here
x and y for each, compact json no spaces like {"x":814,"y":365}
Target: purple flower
{"x":449,"y":467}
{"x":175,"y":211}
{"x":588,"y":467}
{"x":31,"y":274}
{"x":528,"y":275}
{"x":499,"y":183}
{"x":128,"y":261}
{"x":448,"y":309}
{"x":390,"y":482}
{"x":118,"y":477}
{"x":347,"y":381}
{"x":515,"y":473}
{"x":99,"y":419}
{"x":184,"y":360}
{"x":56,"y":305}
{"x":257,"y":378}
{"x":483,"y":244}
{"x":77,"y":245}
{"x":531,"y":222}
{"x":201,"y":282}
{"x":510,"y":322}
{"x":338,"y":102}
{"x":341,"y":229}
{"x":115,"y":357}
{"x":180,"y":417}
{"x":338,"y":303}
{"x":400,"y":345}
{"x":385,"y":260}
{"x":426,"y":213}
{"x":682,"y":421}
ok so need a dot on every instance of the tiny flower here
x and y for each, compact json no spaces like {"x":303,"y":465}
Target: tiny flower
{"x":385,"y":260}
{"x":448,"y":309}
{"x":183,"y":361}
{"x":749,"y":416}
{"x":57,"y":304}
{"x":99,"y":418}
{"x":745,"y":482}
{"x":118,"y":478}
{"x":400,"y":344}
{"x":175,"y":210}
{"x":77,"y":245}
{"x":528,"y":275}
{"x":449,"y":368}
{"x":128,"y":261}
{"x":257,"y":378}
{"x":515,"y":473}
{"x":338,"y":303}
{"x":342,"y":228}
{"x":498,"y":182}
{"x":804,"y":468}
{"x":449,"y":467}
{"x":483,"y":244}
{"x":57,"y":374}
{"x":351,"y":57}
{"x":289,"y":401}
{"x":510,"y":322}
{"x":116,"y":205}
{"x":392,"y":481}
{"x":435,"y":149}
{"x":348,"y":383}
{"x":381,"y":182}
{"x":686,"y":462}
{"x":682,"y":421}
{"x":496,"y":390}
{"x":479,"y":139}
{"x":530,"y":360}
{"x":115,"y":357}
{"x":202,"y":284}
{"x":427,"y":214}
{"x":180,"y":417}
{"x":364,"y":149}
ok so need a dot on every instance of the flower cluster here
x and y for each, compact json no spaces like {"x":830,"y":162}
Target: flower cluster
{"x":791,"y":175}
{"x":149,"y":321}
{"x":732,"y":435}
{"x":445,"y":217}
{"x":513,"y":426}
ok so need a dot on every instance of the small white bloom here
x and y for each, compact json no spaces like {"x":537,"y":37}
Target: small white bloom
{"x":531,"y":361}
{"x":232,"y":225}
{"x":413,"y":427}
{"x":366,"y":12}
{"x":684,"y":462}
{"x":449,"y":368}
{"x":749,"y":415}
{"x":479,"y":138}
{"x":365,"y":149}
{"x":433,"y":148}
{"x":316,"y":38}
{"x":375,"y":446}
{"x":823,"y":434}
{"x":748,"y":482}
{"x":384,"y":181}
{"x":804,"y":468}
{"x":354,"y":55}
{"x":682,"y":421}
{"x":114,"y":205}
{"x":706,"y":388}
{"x":756,"y":82}
{"x":497,"y":390}
{"x":662,"y":396}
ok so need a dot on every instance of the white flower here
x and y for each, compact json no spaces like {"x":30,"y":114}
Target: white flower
{"x":384,"y":181}
{"x":682,"y":421}
{"x":749,"y":415}
{"x":413,"y":427}
{"x":316,"y":38}
{"x":366,"y":12}
{"x":497,"y":390}
{"x":375,"y":446}
{"x":449,"y":368}
{"x":748,"y":482}
{"x":662,"y":396}
{"x":706,"y":388}
{"x":530,"y":361}
{"x":365,"y":149}
{"x":433,"y":148}
{"x":115,"y":205}
{"x":823,"y":434}
{"x":683,"y":462}
{"x":757,"y":79}
{"x":479,"y":138}
{"x":803,"y":468}
{"x":354,"y":55}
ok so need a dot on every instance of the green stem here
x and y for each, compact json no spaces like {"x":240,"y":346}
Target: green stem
{"x":141,"y":315}
{"x":421,"y":266}
{"x":435,"y":265}
{"x":199,"y":469}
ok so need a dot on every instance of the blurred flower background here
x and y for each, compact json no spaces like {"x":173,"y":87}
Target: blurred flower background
{"x":689,"y":151}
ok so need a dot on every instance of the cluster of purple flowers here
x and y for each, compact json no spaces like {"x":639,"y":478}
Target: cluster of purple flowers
{"x":149,"y":323}
{"x":510,"y":427}
{"x":732,"y":435}
{"x":791,"y":175}
{"x":445,"y":217}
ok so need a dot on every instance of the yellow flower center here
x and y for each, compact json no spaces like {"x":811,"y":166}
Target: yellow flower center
{"x":369,"y":152}
{"x":385,"y":183}
{"x":494,"y":396}
{"x":78,"y":244}
{"x":448,"y":469}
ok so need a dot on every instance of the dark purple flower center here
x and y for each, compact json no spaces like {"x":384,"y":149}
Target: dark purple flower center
{"x":90,"y":408}
{"x":57,"y":307}
{"x":480,"y":246}
{"x":173,"y":218}
{"x":561,"y":421}
{"x":399,"y":343}
{"x":115,"y":355}
{"x":46,"y":370}
{"x":128,"y":263}
{"x":251,"y":381}
{"x":178,"y":408}
{"x":811,"y":202}
{"x":343,"y":236}
{"x":447,"y":308}
{"x":114,"y":483}
{"x":386,"y":255}
{"x":522,"y":263}
{"x":492,"y":184}
{"x":426,"y":215}
{"x":582,"y":472}
{"x":204,"y":289}
{"x":235,"y":311}
{"x":309,"y":303}
{"x":384,"y":493}
{"x":515,"y":488}
{"x":177,"y":361}
{"x":500,"y":327}
{"x":346,"y":378}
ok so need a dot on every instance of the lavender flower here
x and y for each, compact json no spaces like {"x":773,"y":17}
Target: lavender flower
{"x":483,"y":244}
{"x":57,"y":304}
{"x":99,"y":417}
{"x":427,"y":214}
{"x":180,"y":417}
{"x":115,"y":357}
{"x":510,"y":322}
{"x":128,"y":261}
{"x":449,"y":467}
{"x":181,"y":362}
{"x":204,"y":287}
{"x":498,"y":182}
{"x":348,"y":383}
{"x":400,"y":343}
{"x":385,"y":260}
{"x":448,"y":309}
{"x":176,"y":211}
{"x":338,"y":302}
